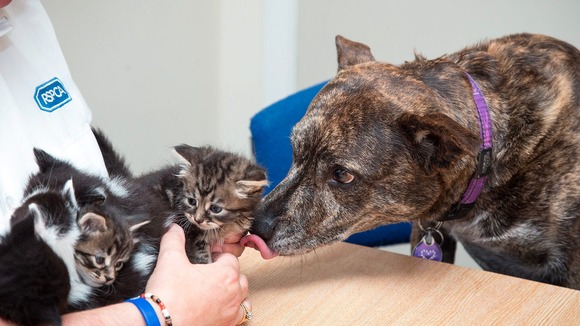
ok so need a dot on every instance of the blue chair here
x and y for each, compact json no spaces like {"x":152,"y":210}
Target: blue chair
{"x":271,"y":129}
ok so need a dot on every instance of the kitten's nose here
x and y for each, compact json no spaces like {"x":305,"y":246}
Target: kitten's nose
{"x":263,"y":225}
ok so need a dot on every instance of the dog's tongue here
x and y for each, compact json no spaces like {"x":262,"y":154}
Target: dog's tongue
{"x":254,"y":241}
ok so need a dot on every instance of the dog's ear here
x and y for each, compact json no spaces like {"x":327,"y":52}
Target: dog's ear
{"x":438,"y":141}
{"x":351,"y":53}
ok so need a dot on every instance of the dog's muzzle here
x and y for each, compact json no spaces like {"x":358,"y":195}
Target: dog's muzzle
{"x":261,"y":231}
{"x":263,"y":226}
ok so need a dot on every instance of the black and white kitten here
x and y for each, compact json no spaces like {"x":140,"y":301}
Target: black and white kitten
{"x":105,"y":241}
{"x":37,"y":257}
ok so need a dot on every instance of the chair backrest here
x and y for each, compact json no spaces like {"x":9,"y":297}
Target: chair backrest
{"x":271,"y":130}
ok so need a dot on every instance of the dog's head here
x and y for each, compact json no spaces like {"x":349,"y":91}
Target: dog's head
{"x":372,"y":149}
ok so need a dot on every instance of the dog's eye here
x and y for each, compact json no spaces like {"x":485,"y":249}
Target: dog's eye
{"x":343,"y":176}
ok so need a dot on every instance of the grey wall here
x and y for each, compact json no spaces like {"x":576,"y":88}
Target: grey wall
{"x":394,"y":29}
{"x":160,"y":73}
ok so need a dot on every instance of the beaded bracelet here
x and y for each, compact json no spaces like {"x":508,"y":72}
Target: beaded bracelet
{"x":164,"y":310}
{"x":146,"y":310}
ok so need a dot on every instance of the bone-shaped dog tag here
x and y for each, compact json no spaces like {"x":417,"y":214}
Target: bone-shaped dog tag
{"x":428,"y":248}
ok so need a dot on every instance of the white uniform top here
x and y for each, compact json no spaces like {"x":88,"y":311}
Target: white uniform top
{"x":40,"y":105}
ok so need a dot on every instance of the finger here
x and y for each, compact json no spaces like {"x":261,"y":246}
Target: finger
{"x":244,"y":316}
{"x":173,"y":239}
{"x":248,"y":304}
{"x":235,"y":249}
{"x":227,"y":259}
{"x":244,"y":284}
{"x":234,"y":238}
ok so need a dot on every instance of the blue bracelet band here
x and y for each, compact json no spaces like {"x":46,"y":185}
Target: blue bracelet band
{"x":146,"y":310}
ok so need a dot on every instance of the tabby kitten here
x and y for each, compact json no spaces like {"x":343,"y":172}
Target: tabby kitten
{"x":36,"y":257}
{"x":213,"y":194}
{"x":105,"y":244}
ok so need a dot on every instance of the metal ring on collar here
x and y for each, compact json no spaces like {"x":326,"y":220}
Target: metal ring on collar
{"x":437,"y":226}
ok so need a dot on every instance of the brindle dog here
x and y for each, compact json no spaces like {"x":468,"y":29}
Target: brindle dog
{"x":382,"y":144}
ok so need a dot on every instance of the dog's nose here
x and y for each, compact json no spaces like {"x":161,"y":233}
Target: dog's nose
{"x":263,"y":226}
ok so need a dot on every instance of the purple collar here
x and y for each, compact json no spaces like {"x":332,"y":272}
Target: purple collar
{"x":483,"y":158}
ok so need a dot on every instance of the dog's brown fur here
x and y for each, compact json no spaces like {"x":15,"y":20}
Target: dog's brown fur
{"x":382,"y":144}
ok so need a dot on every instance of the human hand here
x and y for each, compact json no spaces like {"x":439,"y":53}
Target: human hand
{"x":231,"y":245}
{"x":198,"y":294}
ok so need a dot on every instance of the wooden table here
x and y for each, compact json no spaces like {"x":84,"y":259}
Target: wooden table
{"x":346,"y":284}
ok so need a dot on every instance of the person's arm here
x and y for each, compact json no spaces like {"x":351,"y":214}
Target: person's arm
{"x":119,"y":314}
{"x":208,"y":294}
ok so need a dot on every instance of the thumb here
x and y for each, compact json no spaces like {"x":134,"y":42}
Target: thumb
{"x":172,"y":240}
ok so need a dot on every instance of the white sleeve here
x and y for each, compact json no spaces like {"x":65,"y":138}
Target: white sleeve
{"x":40,"y":104}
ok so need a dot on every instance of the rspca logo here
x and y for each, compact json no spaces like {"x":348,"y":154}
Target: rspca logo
{"x":51,"y":95}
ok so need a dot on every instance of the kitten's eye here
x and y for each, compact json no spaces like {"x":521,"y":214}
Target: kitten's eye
{"x":119,"y":265}
{"x":215,"y":209}
{"x":99,"y":260}
{"x":192,"y":201}
{"x":342,"y":176}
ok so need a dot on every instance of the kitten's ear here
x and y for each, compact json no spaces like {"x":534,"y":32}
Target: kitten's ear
{"x":92,"y":223}
{"x":255,"y":173}
{"x":37,"y":216}
{"x":255,"y":181}
{"x":249,"y":188}
{"x":44,"y":160}
{"x":135,"y":227}
{"x":68,"y":191}
{"x":185,"y":153}
{"x":35,"y":211}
